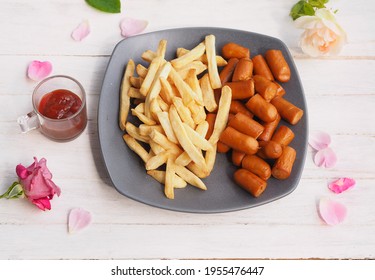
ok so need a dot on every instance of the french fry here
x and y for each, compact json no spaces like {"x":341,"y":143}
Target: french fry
{"x":162,"y":47}
{"x":157,"y":160}
{"x":166,"y":124}
{"x":136,"y":81}
{"x":152,"y":69}
{"x":148,"y":55}
{"x":199,"y":141}
{"x":169,"y":175}
{"x":159,"y":176}
{"x":133,"y":131}
{"x":202,"y":128}
{"x":142,"y":117}
{"x":140,"y":108}
{"x":197,"y":112}
{"x":166,"y":90}
{"x":163,"y":141}
{"x":211,"y":62}
{"x":189,"y":177}
{"x":220,"y":61}
{"x":136,"y":147}
{"x":135,"y":93}
{"x":183,"y":138}
{"x":124,"y":97}
{"x":222,"y":114}
{"x":183,"y":111}
{"x":208,"y":94}
{"x":145,"y":130}
{"x":162,"y":104}
{"x":183,"y":159}
{"x":187,"y":94}
{"x":141,"y":71}
{"x":192,"y":55}
{"x":155,"y":147}
{"x":198,"y":66}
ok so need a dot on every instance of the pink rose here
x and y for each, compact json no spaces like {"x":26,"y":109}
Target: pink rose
{"x":37,"y":184}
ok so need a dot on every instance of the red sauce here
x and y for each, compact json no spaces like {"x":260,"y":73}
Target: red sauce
{"x":59,"y":104}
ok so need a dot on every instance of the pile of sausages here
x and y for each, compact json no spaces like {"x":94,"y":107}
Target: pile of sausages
{"x":259,"y":146}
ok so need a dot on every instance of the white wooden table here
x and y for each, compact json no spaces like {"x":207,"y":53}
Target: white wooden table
{"x":340,"y":93}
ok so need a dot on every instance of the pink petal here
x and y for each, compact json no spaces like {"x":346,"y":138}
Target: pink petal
{"x":319,"y":140}
{"x":78,"y":219}
{"x":131,"y":26}
{"x":331,"y":212}
{"x":38,"y":70}
{"x":42,"y":203}
{"x":341,"y":185}
{"x":325,"y":158}
{"x":21,"y":171}
{"x":81,"y":31}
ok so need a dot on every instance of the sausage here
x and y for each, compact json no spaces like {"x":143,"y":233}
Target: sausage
{"x":243,"y":70}
{"x":227,"y":72}
{"x":269,"y":129}
{"x":288,"y":111}
{"x":257,"y":166}
{"x":283,"y":135}
{"x":246,"y":125}
{"x":278,"y":65}
{"x":266,"y":88}
{"x":261,"y":67}
{"x":250,"y":182}
{"x":283,"y":166}
{"x":269,"y":149}
{"x":280,"y":90}
{"x":231,"y":49}
{"x":239,"y":141}
{"x":241,"y":89}
{"x":237,"y":157}
{"x":261,"y":108}
{"x":237,"y":106}
{"x":222,"y":148}
{"x":210,"y":118}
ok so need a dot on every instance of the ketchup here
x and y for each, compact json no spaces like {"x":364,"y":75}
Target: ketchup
{"x":59,"y":104}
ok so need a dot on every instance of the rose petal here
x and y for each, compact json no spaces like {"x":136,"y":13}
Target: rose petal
{"x":78,"y":219}
{"x":21,"y":171}
{"x":319,"y":140}
{"x":81,"y":31}
{"x":131,"y":26}
{"x":42,"y":203}
{"x":341,"y":185}
{"x":325,"y":158}
{"x":331,"y":212}
{"x":38,"y":70}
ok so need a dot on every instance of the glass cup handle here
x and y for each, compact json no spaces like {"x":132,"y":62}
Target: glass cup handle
{"x":28,"y":122}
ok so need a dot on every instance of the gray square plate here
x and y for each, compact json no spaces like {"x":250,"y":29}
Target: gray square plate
{"x":125,"y":168}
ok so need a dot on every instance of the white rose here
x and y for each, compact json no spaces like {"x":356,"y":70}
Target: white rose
{"x":323,"y":35}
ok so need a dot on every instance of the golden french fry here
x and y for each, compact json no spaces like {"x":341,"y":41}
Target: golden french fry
{"x":141,"y":71}
{"x":162,"y":47}
{"x":220,"y":61}
{"x":154,"y":109}
{"x":183,"y":138}
{"x":136,"y":81}
{"x":163,"y":141}
{"x":183,"y":159}
{"x":199,"y":141}
{"x":211,"y":62}
{"x":202,"y":128}
{"x":166,"y":90}
{"x":157,"y":160}
{"x":189,"y":177}
{"x":198,"y":66}
{"x":143,"y":118}
{"x":124,"y":97}
{"x":135,"y":93}
{"x":152,"y":69}
{"x":166,"y":124}
{"x":162,"y":104}
{"x":169,"y":175}
{"x":155,"y":87}
{"x":136,"y":147}
{"x":140,"y":108}
{"x":192,"y":80}
{"x":222,"y":114}
{"x":210,"y":158}
{"x":183,"y":111}
{"x":148,"y":55}
{"x":194,"y":54}
{"x":159,"y":176}
{"x":145,"y":130}
{"x":208,"y":94}
{"x":187,"y":94}
{"x":133,"y":131}
{"x":156,"y":148}
{"x":197,"y":112}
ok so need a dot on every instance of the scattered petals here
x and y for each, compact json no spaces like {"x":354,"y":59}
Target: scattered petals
{"x":319,"y":140}
{"x":131,"y":26}
{"x":81,"y":31}
{"x":38,"y":70}
{"x":332,"y":212}
{"x":341,"y":185}
{"x":325,"y":158}
{"x":78,"y":219}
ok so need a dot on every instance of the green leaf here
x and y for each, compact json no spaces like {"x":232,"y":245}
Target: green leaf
{"x":14,"y":191}
{"x":107,"y":6}
{"x":318,"y":3}
{"x":301,"y":8}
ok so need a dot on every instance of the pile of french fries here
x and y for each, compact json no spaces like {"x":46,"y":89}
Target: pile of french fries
{"x":171,"y":101}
